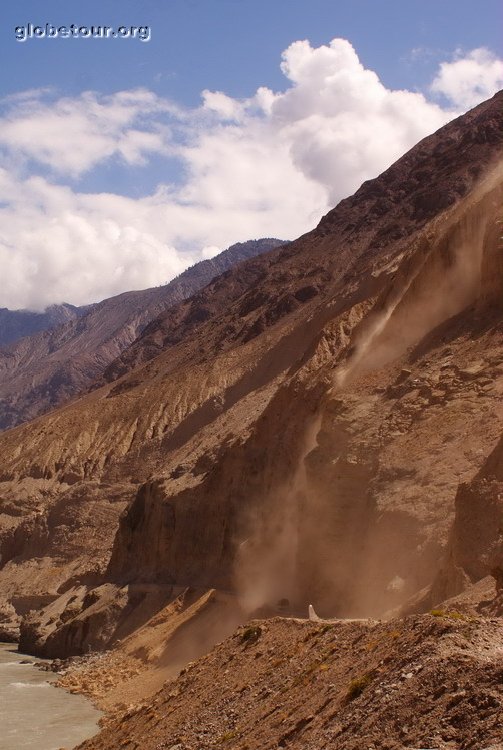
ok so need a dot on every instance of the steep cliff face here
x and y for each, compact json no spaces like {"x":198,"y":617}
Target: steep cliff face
{"x":299,"y":428}
{"x":475,"y":546}
{"x":42,"y":371}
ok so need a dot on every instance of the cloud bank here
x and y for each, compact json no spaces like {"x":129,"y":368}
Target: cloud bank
{"x":269,"y":165}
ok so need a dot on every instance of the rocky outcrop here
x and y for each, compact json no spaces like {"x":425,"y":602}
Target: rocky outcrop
{"x":475,"y":546}
{"x":163,"y":539}
{"x":85,"y":619}
{"x":60,"y":540}
{"x":9,"y":623}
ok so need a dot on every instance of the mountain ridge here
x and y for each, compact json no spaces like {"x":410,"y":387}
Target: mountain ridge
{"x":42,"y":371}
{"x":17,"y":324}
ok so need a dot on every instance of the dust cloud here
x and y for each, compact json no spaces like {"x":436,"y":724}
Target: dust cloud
{"x":440,"y":277}
{"x":266,"y":571}
{"x":439,"y":281}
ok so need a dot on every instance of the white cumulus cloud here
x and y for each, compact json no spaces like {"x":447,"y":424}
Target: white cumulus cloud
{"x":268,"y":165}
{"x":469,"y":79}
{"x":59,"y":245}
{"x":71,"y":135}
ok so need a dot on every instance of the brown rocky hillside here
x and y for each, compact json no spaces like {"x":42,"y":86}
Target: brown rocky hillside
{"x":423,"y":682}
{"x":296,"y":432}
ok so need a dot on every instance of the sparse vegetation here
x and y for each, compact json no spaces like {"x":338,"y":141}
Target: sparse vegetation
{"x":445,"y":613}
{"x":227,"y":737}
{"x":326,"y":628}
{"x":357,"y":686}
{"x":394,"y":633}
{"x":372,"y":645}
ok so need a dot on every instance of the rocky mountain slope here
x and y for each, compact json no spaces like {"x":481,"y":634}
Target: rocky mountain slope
{"x":44,"y":370}
{"x":294,"y":433}
{"x":423,"y":682}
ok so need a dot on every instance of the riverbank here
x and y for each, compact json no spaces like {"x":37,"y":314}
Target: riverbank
{"x":35,"y":714}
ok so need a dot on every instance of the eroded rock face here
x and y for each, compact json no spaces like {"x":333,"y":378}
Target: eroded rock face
{"x":9,"y":623}
{"x":85,"y":619}
{"x":475,"y":546}
{"x":59,"y":540}
{"x":287,"y":444}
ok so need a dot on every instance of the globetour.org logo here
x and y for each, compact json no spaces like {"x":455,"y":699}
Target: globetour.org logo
{"x":75,"y":31}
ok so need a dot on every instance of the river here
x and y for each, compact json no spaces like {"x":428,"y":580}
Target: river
{"x":35,"y":715}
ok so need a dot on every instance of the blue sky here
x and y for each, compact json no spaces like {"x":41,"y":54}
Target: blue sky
{"x":117,"y":172}
{"x":234,"y":45}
